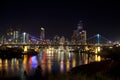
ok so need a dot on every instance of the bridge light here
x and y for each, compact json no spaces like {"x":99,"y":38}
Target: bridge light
{"x":24,"y":33}
{"x":42,"y":28}
{"x":25,"y":48}
{"x":98,"y":49}
{"x":109,"y":41}
{"x":98,"y":35}
{"x":110,"y":47}
{"x":97,"y":58}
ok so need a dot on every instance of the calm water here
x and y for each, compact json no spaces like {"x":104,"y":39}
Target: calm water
{"x":52,"y":60}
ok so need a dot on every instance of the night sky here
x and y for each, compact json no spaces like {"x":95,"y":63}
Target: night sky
{"x":61,"y":18}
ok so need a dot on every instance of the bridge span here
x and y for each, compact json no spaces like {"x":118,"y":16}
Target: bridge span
{"x":33,"y":44}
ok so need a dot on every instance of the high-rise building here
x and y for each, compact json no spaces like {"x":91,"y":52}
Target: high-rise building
{"x":16,"y":36}
{"x":79,"y":35}
{"x":42,"y":33}
{"x":79,"y":26}
{"x":62,"y":40}
{"x":83,"y":37}
{"x":13,"y":35}
{"x":25,"y":37}
{"x":10,"y":35}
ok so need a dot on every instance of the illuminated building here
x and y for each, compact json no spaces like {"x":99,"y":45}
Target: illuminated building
{"x":62,"y":40}
{"x":10,"y":35}
{"x":13,"y":35}
{"x":42,"y":34}
{"x":16,"y":35}
{"x":25,"y":38}
{"x":56,"y":38}
{"x":79,"y":35}
{"x":83,"y":37}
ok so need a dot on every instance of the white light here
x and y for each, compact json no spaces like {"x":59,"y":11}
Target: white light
{"x":98,"y":35}
{"x":83,"y":31}
{"x":42,"y":28}
{"x":98,"y":49}
{"x":24,"y":33}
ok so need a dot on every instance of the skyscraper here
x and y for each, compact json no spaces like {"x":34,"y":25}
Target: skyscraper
{"x":25,"y":37}
{"x":16,"y":34}
{"x":10,"y":35}
{"x":83,"y":36}
{"x":13,"y":35}
{"x":79,"y":35}
{"x":79,"y":26}
{"x":42,"y":34}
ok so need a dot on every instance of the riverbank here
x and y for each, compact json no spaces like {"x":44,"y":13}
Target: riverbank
{"x":104,"y":70}
{"x":16,"y":52}
{"x":10,"y":78}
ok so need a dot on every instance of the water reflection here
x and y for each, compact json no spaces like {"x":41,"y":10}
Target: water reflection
{"x":67,"y":65}
{"x":61,"y":66}
{"x":33,"y":61}
{"x":52,"y":60}
{"x":9,"y":67}
{"x":49,"y":66}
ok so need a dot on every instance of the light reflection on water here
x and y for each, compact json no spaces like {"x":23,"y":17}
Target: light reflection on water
{"x":52,"y":61}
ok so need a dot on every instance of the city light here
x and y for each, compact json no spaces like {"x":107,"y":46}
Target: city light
{"x":25,"y":48}
{"x":24,"y":36}
{"x":42,"y":28}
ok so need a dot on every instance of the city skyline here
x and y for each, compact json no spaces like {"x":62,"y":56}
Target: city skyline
{"x":61,"y":18}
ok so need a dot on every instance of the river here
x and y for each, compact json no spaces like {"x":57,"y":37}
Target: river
{"x":52,"y":60}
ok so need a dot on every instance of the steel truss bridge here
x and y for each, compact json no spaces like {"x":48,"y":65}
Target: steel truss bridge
{"x":33,"y":44}
{"x":96,"y":40}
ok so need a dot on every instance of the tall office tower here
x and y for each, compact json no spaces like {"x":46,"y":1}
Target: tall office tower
{"x":83,"y":37}
{"x":62,"y":40}
{"x":25,"y":37}
{"x":13,"y":35}
{"x":16,"y":35}
{"x":42,"y":34}
{"x":79,"y":27}
{"x":79,"y":35}
{"x":10,"y":35}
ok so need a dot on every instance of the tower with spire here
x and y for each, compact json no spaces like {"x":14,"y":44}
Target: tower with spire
{"x":42,"y":33}
{"x":79,"y":35}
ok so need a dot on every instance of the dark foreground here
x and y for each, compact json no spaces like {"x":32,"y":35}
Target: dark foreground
{"x":104,"y":70}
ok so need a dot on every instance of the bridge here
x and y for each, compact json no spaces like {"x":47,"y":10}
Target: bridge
{"x":92,"y":46}
{"x":34,"y":44}
{"x":25,"y":39}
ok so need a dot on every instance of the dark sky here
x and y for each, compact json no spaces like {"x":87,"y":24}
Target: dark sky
{"x":61,"y":18}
